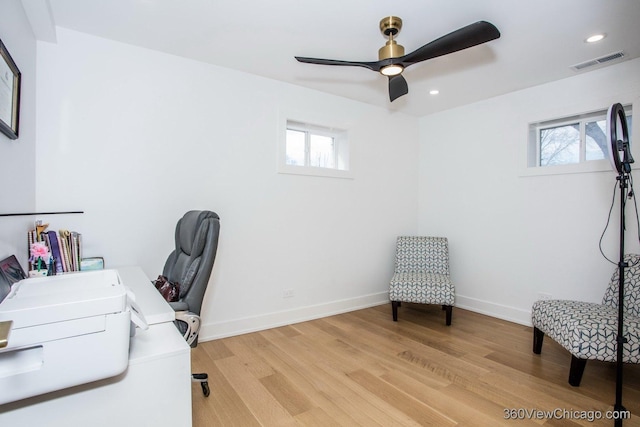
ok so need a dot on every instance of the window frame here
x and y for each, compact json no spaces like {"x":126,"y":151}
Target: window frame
{"x":341,"y":150}
{"x":582,"y":122}
{"x":533,"y":154}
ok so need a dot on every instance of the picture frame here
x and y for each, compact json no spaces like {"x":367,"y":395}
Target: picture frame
{"x":92,"y":263}
{"x":10,"y":81}
{"x":11,"y":270}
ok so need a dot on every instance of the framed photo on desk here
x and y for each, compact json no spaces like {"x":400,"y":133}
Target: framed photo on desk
{"x":11,"y":270}
{"x":10,"y":79}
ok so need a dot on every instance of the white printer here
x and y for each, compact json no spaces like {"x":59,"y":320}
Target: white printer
{"x":65,"y":330}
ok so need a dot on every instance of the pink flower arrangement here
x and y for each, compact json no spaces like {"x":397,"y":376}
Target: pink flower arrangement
{"x":39,"y":250}
{"x":39,"y":253}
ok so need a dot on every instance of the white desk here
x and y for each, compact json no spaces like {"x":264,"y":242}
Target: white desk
{"x":155,"y":390}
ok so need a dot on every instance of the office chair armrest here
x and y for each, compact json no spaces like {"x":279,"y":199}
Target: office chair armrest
{"x":192,"y":321}
{"x":179,"y":306}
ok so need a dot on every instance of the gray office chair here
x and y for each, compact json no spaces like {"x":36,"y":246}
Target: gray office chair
{"x":190,"y":265}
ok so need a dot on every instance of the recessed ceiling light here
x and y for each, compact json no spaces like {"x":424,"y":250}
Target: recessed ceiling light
{"x":434,"y":92}
{"x":595,"y":38}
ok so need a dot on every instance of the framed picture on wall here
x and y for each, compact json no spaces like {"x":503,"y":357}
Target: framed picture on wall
{"x":10,"y":78}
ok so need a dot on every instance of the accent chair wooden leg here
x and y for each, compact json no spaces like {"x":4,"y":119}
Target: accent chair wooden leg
{"x":394,"y":308}
{"x":576,"y":371}
{"x":448,"y":310}
{"x":538,"y":336}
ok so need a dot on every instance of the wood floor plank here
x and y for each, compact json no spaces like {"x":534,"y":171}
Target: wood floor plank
{"x":262,"y":404}
{"x":216,"y":349}
{"x":363,"y":404}
{"x":418,"y":410}
{"x":437,"y":336}
{"x":376,"y":342}
{"x":439,"y":399}
{"x":363,"y":369}
{"x":313,"y":385}
{"x":317,"y":417}
{"x":285,"y":392}
{"x":473,"y":408}
{"x":245,"y":350}
{"x":330,"y":368}
{"x":224,"y":407}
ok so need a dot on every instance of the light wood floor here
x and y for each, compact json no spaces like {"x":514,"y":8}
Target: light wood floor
{"x":363,"y":369}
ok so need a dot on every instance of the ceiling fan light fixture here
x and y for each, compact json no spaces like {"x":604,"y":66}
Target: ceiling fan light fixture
{"x":392,"y":70}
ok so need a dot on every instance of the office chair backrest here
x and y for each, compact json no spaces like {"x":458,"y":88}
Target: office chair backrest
{"x":191,"y":262}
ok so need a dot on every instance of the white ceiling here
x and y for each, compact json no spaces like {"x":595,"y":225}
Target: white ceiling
{"x":540,"y":40}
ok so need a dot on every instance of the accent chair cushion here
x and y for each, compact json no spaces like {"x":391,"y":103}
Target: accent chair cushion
{"x":423,"y":288}
{"x":587,"y":330}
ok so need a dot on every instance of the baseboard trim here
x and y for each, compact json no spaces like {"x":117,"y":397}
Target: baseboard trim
{"x":499,"y":311}
{"x":212,"y":331}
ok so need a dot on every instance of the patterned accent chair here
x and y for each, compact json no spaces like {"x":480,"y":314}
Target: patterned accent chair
{"x":422,"y":274}
{"x":589,"y":330}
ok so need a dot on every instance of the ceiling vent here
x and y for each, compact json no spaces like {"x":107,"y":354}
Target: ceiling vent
{"x":596,"y":61}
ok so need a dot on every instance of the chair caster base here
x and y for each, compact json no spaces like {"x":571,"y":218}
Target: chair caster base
{"x":203,"y":380}
{"x":205,"y":389}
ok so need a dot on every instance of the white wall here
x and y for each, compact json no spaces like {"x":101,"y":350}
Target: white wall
{"x":513,"y":236}
{"x":135,"y":138}
{"x":17,"y":157}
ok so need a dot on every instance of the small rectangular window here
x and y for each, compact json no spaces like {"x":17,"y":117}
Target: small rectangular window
{"x":560,"y":145}
{"x":593,"y":133}
{"x":315,"y":150}
{"x":570,"y":140}
{"x":296,"y":147}
{"x":322,"y":151}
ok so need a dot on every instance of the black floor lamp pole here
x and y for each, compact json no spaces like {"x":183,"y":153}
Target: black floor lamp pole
{"x":619,"y":149}
{"x":620,"y":339}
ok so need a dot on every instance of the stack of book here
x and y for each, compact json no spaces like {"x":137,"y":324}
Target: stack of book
{"x":65,"y":247}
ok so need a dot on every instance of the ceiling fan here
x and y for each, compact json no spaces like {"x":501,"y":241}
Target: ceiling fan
{"x":392,"y":60}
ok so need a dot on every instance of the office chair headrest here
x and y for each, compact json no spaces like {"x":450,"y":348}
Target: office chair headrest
{"x":191,"y":236}
{"x":192,"y":232}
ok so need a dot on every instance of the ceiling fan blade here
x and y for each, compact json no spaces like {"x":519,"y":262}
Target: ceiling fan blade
{"x":375,"y":66}
{"x":463,"y":38}
{"x":397,"y":87}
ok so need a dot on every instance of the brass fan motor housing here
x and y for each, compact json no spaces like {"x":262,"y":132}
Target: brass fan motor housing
{"x":389,"y":27}
{"x":391,"y":49}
